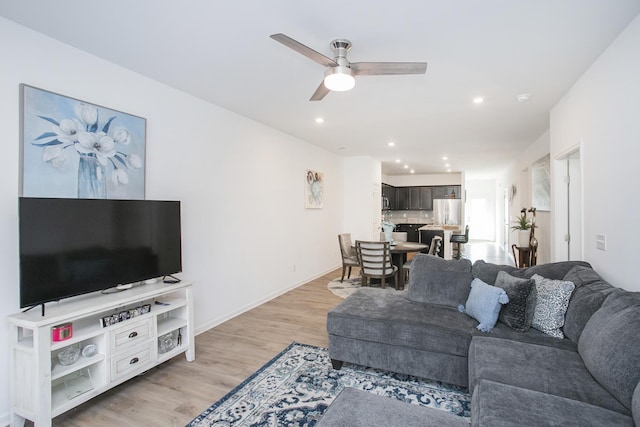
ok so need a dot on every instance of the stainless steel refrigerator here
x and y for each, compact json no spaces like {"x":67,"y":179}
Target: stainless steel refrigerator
{"x":447,"y":211}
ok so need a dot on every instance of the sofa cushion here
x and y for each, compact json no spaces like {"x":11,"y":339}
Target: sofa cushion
{"x":532,"y":336}
{"x":488,"y":272}
{"x":518,"y":312}
{"x":610,"y":347}
{"x":635,"y":405}
{"x":377,"y":315}
{"x":484,"y":304}
{"x":587,"y":297}
{"x":439,"y":281}
{"x":495,"y":404}
{"x":535,"y":367}
{"x":357,"y":408}
{"x":449,"y":288}
{"x":551,"y":305}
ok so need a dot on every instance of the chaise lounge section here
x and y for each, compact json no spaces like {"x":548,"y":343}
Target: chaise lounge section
{"x":516,"y":375}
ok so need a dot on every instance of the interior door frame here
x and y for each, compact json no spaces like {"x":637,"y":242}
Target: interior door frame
{"x":568,"y":216}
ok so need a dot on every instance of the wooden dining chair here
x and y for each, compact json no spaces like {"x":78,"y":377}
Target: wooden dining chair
{"x":349,"y":257}
{"x":434,"y":249}
{"x":375,"y":262}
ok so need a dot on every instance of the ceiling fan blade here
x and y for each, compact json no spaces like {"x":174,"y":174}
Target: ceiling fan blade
{"x":306,"y":51}
{"x":386,"y":68}
{"x":320,"y":93}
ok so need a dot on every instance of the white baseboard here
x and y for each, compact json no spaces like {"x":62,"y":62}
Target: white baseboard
{"x":215,"y":322}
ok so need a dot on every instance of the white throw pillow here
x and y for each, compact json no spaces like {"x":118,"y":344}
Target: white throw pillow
{"x":551,"y":305}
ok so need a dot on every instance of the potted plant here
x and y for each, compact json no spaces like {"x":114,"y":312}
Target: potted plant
{"x":523,"y":226}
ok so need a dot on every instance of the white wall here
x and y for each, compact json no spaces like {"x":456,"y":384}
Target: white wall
{"x":362,"y":198}
{"x":246,"y":234}
{"x":601,"y":111}
{"x":520,"y":175}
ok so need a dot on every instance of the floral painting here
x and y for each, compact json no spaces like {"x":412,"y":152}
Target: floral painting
{"x":313,"y":189}
{"x":74,"y":149}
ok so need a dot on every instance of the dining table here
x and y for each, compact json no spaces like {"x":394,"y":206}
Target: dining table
{"x":399,"y":252}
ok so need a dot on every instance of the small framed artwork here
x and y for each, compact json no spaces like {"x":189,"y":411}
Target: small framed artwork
{"x":313,"y":189}
{"x":75,"y":149}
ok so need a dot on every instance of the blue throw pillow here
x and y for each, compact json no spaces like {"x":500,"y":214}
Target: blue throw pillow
{"x":484,"y":304}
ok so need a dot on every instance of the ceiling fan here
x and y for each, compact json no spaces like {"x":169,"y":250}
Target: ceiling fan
{"x":340,"y":73}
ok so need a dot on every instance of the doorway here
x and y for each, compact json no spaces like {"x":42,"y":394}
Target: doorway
{"x":569,"y":228}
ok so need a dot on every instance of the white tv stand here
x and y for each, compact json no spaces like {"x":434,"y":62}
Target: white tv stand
{"x":42,"y":388}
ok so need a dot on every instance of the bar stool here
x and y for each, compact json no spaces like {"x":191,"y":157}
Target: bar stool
{"x":459,"y":239}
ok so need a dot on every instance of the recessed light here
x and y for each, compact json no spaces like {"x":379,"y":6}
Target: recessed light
{"x":412,"y":171}
{"x":478,"y":100}
{"x":448,"y":170}
{"x":319,"y":120}
{"x":406,"y":166}
{"x":447,"y":165}
{"x":445,"y":158}
{"x":391,"y":144}
{"x":397,"y":160}
{"x":523,"y":97}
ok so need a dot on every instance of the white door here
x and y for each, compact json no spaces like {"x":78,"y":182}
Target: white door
{"x":568,"y":207}
{"x":574,"y":202}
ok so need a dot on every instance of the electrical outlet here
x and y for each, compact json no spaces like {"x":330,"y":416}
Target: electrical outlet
{"x":601,"y":242}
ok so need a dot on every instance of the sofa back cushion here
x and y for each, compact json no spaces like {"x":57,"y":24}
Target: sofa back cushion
{"x":488,"y":272}
{"x":587,"y":298}
{"x":609,"y":345}
{"x":438,"y":281}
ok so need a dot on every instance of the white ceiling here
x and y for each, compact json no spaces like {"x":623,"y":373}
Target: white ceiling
{"x":220,"y":51}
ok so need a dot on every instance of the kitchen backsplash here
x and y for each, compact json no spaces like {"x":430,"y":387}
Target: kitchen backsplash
{"x":408,"y":217}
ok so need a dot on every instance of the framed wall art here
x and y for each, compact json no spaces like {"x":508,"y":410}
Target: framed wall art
{"x":541,"y":184}
{"x":73,"y":149}
{"x":313,"y":189}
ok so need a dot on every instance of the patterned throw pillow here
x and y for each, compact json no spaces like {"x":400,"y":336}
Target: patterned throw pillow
{"x":518,"y":313}
{"x":484,"y":304}
{"x":551,"y":305}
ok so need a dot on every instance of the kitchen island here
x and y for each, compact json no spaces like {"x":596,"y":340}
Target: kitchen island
{"x":427,"y":232}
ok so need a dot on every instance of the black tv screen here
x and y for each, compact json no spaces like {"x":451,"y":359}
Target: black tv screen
{"x":70,"y":247}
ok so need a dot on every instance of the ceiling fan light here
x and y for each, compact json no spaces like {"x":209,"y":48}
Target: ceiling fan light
{"x":339,"y":79}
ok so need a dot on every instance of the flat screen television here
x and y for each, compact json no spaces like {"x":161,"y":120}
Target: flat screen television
{"x":70,"y":247}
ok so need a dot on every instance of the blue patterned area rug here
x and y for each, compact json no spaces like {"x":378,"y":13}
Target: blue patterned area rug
{"x":299,"y":384}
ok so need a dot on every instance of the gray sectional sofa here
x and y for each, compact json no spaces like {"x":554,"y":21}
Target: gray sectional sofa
{"x":516,"y":374}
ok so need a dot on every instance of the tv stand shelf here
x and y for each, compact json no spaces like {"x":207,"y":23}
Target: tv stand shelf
{"x":43,"y":388}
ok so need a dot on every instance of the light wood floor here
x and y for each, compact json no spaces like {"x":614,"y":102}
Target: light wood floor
{"x":175,"y":392}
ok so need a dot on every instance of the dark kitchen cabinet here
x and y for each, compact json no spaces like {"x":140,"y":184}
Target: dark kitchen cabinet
{"x":413,"y":235}
{"x":426,"y":199}
{"x":402,"y":198}
{"x":414,"y":198}
{"x":446,"y":192}
{"x":388,"y":197}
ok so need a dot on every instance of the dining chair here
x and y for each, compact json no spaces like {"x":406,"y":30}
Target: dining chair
{"x":434,"y":249}
{"x":375,"y":262}
{"x":460,"y":239}
{"x":349,"y":256}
